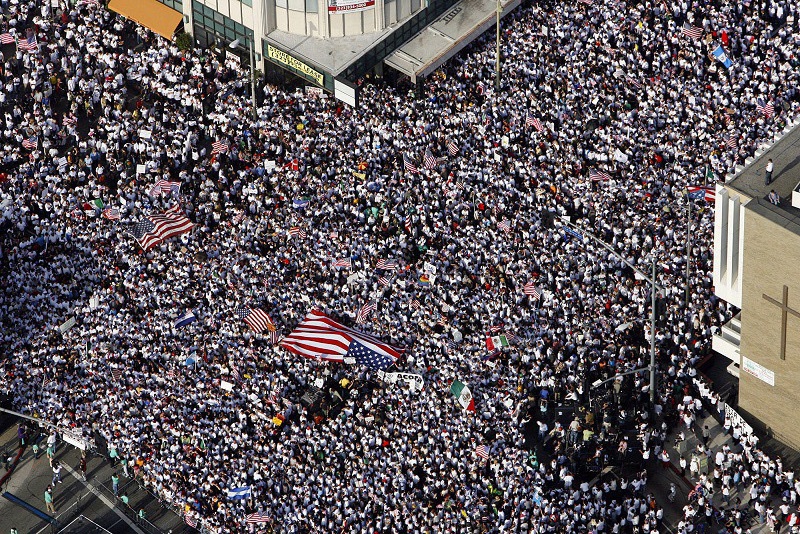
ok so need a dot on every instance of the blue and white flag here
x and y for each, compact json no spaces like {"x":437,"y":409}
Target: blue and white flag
{"x":722,"y":57}
{"x":300,"y":202}
{"x":239,"y":493}
{"x":186,"y":318}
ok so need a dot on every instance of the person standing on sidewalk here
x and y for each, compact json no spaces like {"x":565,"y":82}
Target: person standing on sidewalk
{"x":82,"y":467}
{"x":56,"y":472}
{"x":115,"y":483}
{"x":768,"y":174}
{"x":48,"y":500}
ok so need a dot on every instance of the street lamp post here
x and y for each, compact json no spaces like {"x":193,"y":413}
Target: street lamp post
{"x":688,"y":246}
{"x":233,"y":46}
{"x":497,"y":49}
{"x":654,"y":288}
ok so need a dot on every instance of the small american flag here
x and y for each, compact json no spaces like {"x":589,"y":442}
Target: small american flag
{"x":258,"y":517}
{"x":452,"y":148}
{"x":218,"y":147}
{"x":238,"y":217}
{"x":532,"y":121}
{"x":598,"y":176}
{"x":692,"y":32}
{"x":415,"y":304}
{"x":28,"y":44}
{"x":430,"y":161}
{"x":442,"y":321}
{"x":273,"y":337}
{"x":387,"y":265}
{"x":634,"y":82}
{"x":191,"y":521}
{"x":343,"y":262}
{"x":116,"y":373}
{"x":482,"y":451}
{"x":165,"y":187}
{"x":112,"y":214}
{"x":236,"y":375}
{"x":6,"y":38}
{"x":364,"y":312}
{"x":732,"y":141}
{"x":408,"y":164}
{"x":504,"y":225}
{"x":172,"y":373}
{"x":495,"y":328}
{"x":256,"y":318}
{"x":69,"y":120}
{"x":767,"y":109}
{"x":297,"y":231}
{"x":530,"y":289}
{"x":31,"y":143}
{"x":383,"y":281}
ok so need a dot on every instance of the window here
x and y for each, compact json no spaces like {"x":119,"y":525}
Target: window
{"x":311,"y":6}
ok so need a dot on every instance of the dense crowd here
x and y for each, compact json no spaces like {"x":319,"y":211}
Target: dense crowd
{"x":607,"y":111}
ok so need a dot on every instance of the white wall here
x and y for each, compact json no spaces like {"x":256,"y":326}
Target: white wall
{"x":728,"y":245}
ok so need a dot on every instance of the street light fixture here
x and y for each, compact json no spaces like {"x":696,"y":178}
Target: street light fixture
{"x":580,"y":232}
{"x":233,"y":46}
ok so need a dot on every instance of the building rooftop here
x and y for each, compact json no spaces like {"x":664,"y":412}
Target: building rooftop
{"x":785,"y":155}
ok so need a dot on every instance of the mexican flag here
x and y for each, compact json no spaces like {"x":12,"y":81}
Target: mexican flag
{"x":91,"y":208}
{"x":496,"y":342}
{"x":464,"y":396}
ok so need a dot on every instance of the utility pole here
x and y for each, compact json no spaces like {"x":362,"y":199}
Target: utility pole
{"x":497,"y":50}
{"x":253,"y":78}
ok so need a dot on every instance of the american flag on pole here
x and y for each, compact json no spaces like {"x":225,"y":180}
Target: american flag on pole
{"x":69,"y":120}
{"x":387,"y":265}
{"x":6,"y":38}
{"x":767,"y":109}
{"x":297,"y":231}
{"x":706,"y":192}
{"x":482,"y":451}
{"x":165,"y":187}
{"x":155,"y":229}
{"x":408,"y":164}
{"x":504,"y":225}
{"x":634,"y":82}
{"x":530,"y":289}
{"x":343,"y":262}
{"x":598,"y":176}
{"x":430,"y":161}
{"x":692,"y":32}
{"x":219,"y":147}
{"x":258,"y":517}
{"x":256,"y":318}
{"x":365,"y":312}
{"x":452,"y":148}
{"x":532,"y":121}
{"x":31,"y":143}
{"x":320,"y":337}
{"x":383,"y":281}
{"x":112,"y":214}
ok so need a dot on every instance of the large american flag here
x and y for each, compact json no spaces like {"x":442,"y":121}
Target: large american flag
{"x":532,"y":121}
{"x":155,"y":229}
{"x":297,"y":231}
{"x":387,"y":265}
{"x":320,"y":337}
{"x":364,"y":312}
{"x":706,"y":192}
{"x":165,"y":187}
{"x":530,"y":289}
{"x":692,"y":32}
{"x":731,"y":141}
{"x":597,"y":176}
{"x":482,"y":451}
{"x":408,"y":164}
{"x":256,"y":318}
{"x":30,"y":143}
{"x":767,"y":109}
{"x":258,"y":517}
{"x":430,"y":161}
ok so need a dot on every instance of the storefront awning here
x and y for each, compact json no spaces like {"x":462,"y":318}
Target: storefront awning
{"x":149,"y":13}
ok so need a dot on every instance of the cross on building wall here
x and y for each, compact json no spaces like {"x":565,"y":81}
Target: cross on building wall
{"x":785,"y":311}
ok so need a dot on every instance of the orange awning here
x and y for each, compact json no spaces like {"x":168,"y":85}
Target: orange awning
{"x":149,"y":13}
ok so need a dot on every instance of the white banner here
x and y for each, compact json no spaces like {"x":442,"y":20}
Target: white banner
{"x":736,"y":420}
{"x":414,"y":381}
{"x":69,"y":323}
{"x":757,"y":370}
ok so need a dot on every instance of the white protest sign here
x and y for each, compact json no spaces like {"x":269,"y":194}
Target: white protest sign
{"x":141,"y":169}
{"x":69,"y":323}
{"x":145,"y":134}
{"x":414,"y":381}
{"x":226,"y":386}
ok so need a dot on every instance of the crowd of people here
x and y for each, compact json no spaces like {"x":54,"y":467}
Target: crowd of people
{"x":607,"y":111}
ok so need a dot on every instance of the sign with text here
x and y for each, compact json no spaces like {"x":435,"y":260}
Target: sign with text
{"x":295,"y":64}
{"x":757,"y":370}
{"x":345,"y":6}
{"x":414,"y":381}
